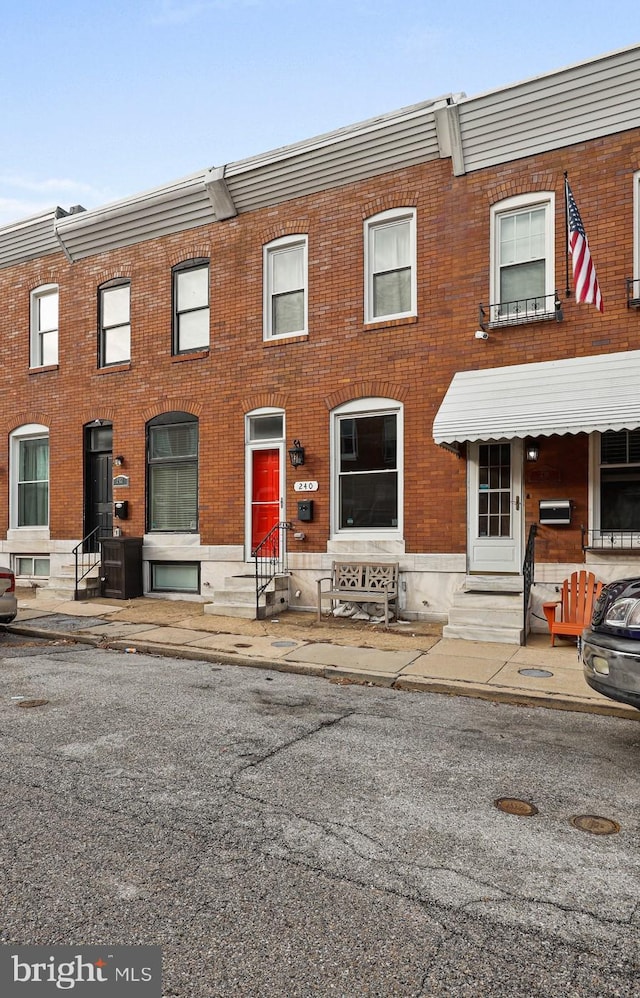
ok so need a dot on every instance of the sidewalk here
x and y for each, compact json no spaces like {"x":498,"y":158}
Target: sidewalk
{"x":408,"y":656}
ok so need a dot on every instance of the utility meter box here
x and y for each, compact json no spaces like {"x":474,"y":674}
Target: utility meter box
{"x":555,"y":512}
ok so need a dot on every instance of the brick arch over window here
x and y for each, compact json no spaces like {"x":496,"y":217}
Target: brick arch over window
{"x":122,"y":273}
{"x":29,"y":416}
{"x":536,"y":182}
{"x":266,"y":400}
{"x":292,"y":227}
{"x":388,"y":202}
{"x":107,"y":413}
{"x":172,"y":405}
{"x":366,"y":389}
{"x":196,"y":251}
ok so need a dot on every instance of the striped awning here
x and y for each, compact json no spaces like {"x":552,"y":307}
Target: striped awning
{"x":576,"y":395}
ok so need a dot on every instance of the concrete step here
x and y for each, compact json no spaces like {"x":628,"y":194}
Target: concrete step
{"x":486,"y":615}
{"x":477,"y":617}
{"x":494,"y":584}
{"x":474,"y":632}
{"x":238,"y":597}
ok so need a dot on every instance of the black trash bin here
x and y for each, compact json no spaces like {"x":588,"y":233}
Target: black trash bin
{"x":122,"y":567}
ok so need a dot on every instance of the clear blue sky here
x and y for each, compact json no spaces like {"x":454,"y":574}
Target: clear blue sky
{"x":102,"y":100}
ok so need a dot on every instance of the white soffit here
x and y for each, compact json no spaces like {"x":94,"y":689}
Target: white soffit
{"x":577,"y":395}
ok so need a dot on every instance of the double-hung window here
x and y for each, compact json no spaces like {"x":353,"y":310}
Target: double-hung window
{"x":191,"y":306}
{"x":44,"y":325}
{"x":368,"y":467}
{"x":172,"y":458}
{"x":390,"y":265}
{"x":619,"y":464}
{"x":285,"y":287}
{"x":522,"y":286}
{"x":115,"y":323}
{"x":30,"y":476}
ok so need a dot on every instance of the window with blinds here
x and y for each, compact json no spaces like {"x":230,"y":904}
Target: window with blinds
{"x":173,"y":473}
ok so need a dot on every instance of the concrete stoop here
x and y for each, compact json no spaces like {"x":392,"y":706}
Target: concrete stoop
{"x":63,"y":585}
{"x":238,"y":598}
{"x":487,"y":609}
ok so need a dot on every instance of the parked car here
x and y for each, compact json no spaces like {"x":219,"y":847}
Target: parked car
{"x":611,"y":645}
{"x":8,"y":602}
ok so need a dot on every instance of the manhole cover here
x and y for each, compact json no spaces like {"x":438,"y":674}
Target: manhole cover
{"x":282,"y":644}
{"x":595,"y":824}
{"x":513,"y":805}
{"x":31,"y":703}
{"x":241,"y":644}
{"x":536,"y":673}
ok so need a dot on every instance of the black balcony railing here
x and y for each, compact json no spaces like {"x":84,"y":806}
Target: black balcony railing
{"x":633,"y":292}
{"x":514,"y":313}
{"x":611,"y":540}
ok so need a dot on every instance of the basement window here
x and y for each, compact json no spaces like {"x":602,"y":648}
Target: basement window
{"x":175,"y":576}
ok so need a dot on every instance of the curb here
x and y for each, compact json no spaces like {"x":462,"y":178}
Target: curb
{"x":337,"y":674}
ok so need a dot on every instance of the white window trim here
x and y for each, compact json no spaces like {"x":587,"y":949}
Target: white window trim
{"x":383,"y":218}
{"x":535,"y":199}
{"x":30,"y":431}
{"x":34,"y":334}
{"x":115,"y":285}
{"x":366,"y":407}
{"x":188,"y":266}
{"x":269,"y":250}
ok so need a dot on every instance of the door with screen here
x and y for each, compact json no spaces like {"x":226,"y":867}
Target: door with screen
{"x":265,"y":493}
{"x":495,"y":507}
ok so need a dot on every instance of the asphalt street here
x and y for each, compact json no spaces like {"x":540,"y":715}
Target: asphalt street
{"x":280,"y":835}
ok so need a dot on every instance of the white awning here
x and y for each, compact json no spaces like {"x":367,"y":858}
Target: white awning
{"x":577,"y":395}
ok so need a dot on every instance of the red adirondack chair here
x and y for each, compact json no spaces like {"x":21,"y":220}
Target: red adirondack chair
{"x":579,"y":593}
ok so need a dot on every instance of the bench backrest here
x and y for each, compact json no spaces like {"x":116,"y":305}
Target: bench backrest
{"x":579,"y":593}
{"x":365,"y":575}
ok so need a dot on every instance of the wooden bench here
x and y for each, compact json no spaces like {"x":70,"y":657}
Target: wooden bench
{"x":578,"y":595}
{"x":360,"y":582}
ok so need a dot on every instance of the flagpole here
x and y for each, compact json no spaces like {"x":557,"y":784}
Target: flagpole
{"x":566,"y":237}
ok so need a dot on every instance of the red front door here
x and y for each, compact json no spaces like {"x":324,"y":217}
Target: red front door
{"x":265,"y":498}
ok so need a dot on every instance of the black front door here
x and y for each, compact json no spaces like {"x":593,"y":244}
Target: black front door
{"x":99,"y":484}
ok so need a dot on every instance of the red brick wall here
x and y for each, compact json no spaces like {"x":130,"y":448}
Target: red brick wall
{"x":340,"y":359}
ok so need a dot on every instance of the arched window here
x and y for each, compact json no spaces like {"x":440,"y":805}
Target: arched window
{"x":44,"y":325}
{"x":172,"y":468}
{"x":390,"y":265}
{"x":30,"y":476}
{"x":114,"y":345}
{"x":191,"y":306}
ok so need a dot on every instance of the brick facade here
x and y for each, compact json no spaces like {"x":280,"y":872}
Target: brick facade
{"x":341,"y":359}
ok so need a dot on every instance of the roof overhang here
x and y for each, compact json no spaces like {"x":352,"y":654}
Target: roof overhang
{"x":577,"y":395}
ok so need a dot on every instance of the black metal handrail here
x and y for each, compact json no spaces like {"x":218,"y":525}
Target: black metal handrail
{"x":513,"y":313}
{"x":528,"y":569}
{"x":86,"y":558}
{"x":270,"y":558}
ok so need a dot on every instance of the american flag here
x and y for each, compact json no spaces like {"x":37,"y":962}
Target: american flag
{"x":584,"y":272}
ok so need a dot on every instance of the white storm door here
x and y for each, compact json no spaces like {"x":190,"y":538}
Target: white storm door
{"x":495,"y":507}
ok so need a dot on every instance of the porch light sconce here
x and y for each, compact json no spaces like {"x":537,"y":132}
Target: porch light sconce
{"x":296,"y":454}
{"x":533,"y":450}
{"x":118,"y":461}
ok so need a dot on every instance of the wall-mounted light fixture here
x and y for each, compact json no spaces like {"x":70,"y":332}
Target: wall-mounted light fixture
{"x":296,"y":454}
{"x":533,"y":450}
{"x":118,"y":461}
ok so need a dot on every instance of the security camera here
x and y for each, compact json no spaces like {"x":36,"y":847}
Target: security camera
{"x":482,"y":334}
